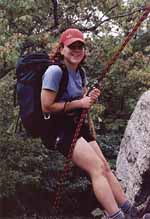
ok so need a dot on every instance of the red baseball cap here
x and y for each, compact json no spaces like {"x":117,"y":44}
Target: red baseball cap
{"x":70,"y":36}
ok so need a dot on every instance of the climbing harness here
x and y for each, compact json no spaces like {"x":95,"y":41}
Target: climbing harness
{"x":67,"y":166}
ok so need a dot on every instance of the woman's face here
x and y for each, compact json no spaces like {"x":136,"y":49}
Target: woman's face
{"x":74,"y":53}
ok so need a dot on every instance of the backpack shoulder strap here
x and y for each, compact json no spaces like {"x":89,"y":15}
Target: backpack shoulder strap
{"x":82,"y":74}
{"x":63,"y":82}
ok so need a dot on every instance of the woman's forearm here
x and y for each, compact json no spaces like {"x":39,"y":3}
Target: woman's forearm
{"x":63,"y":106}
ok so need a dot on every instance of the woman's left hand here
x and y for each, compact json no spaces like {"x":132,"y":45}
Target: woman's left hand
{"x":94,"y":94}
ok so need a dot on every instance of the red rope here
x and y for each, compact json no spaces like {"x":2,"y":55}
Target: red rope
{"x":67,"y":167}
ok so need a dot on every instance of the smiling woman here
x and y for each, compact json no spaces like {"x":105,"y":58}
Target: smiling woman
{"x":73,"y":53}
{"x":64,"y":115}
{"x":72,"y":42}
{"x":70,"y":54}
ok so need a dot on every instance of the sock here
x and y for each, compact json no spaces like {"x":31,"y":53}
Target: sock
{"x":117,"y":215}
{"x":126,"y":206}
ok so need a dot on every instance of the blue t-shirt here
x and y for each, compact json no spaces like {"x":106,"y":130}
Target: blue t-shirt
{"x":51,"y":81}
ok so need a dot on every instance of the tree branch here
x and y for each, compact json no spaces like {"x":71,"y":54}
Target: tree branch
{"x":94,"y":27}
{"x":5,"y":71}
{"x":55,"y":5}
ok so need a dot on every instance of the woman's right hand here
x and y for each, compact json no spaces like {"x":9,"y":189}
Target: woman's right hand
{"x":86,"y":102}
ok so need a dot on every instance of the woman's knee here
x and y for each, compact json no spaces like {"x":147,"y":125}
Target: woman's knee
{"x":102,"y":169}
{"x":105,"y":165}
{"x":86,"y":157}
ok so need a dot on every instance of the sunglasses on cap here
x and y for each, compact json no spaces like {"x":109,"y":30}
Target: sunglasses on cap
{"x":74,"y":46}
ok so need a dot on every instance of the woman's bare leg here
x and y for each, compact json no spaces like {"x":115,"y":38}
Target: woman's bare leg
{"x":86,"y":158}
{"x":114,"y":184}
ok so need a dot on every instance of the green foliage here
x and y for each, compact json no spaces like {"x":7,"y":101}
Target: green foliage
{"x":22,"y":162}
{"x":28,"y":171}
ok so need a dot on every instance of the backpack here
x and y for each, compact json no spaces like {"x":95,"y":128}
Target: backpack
{"x":29,"y":71}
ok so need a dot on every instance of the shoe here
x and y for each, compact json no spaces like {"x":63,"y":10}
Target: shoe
{"x":146,"y":216}
{"x":134,"y":213}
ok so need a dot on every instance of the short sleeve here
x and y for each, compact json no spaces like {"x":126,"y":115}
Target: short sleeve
{"x":51,"y":78}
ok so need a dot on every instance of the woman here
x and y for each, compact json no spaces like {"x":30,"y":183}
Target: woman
{"x":87,"y":153}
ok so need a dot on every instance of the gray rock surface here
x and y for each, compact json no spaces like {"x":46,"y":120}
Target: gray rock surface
{"x":133,"y":161}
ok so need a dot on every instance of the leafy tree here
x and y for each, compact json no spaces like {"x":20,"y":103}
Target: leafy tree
{"x":33,"y":24}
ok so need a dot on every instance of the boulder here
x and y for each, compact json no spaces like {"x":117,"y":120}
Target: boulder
{"x":133,"y":161}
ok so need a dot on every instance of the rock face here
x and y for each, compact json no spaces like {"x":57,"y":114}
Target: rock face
{"x":133,"y":161}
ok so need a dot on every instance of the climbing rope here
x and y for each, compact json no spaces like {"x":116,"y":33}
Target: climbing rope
{"x":67,"y":165}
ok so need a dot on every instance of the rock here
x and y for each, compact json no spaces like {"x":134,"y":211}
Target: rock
{"x":133,"y":161}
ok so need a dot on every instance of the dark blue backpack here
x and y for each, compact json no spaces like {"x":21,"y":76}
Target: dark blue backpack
{"x":29,"y":70}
